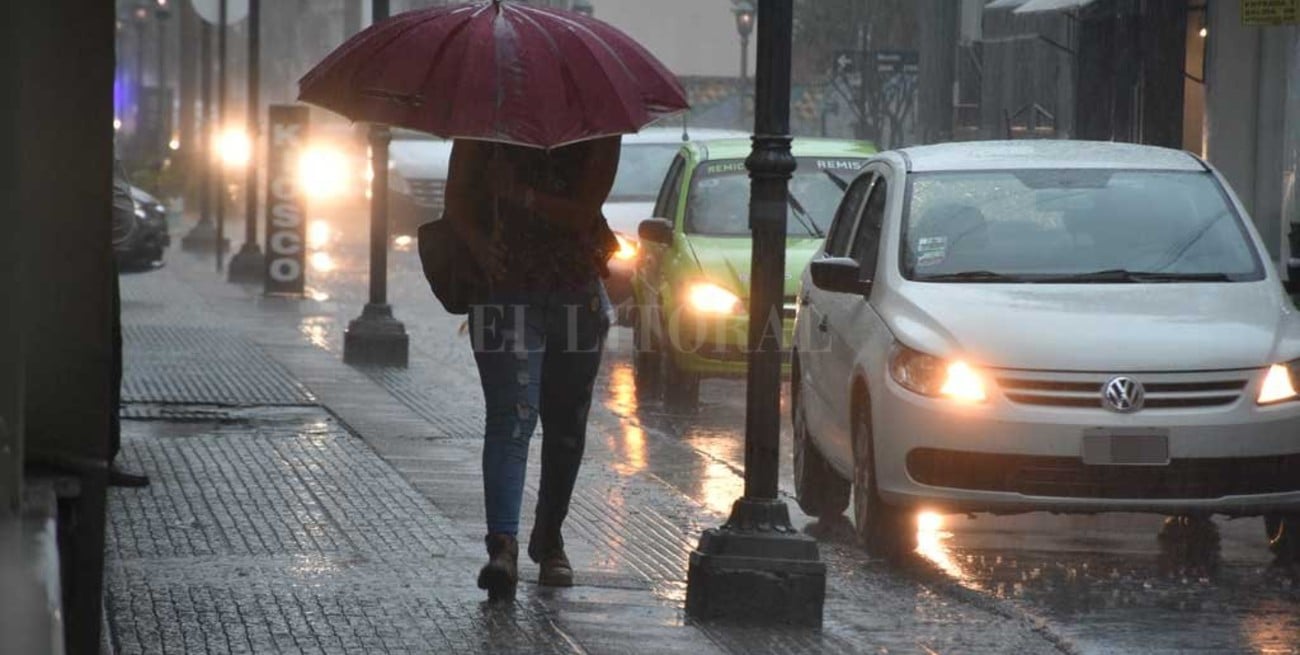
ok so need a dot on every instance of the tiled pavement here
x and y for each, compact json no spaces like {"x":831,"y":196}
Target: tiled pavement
{"x":300,"y":505}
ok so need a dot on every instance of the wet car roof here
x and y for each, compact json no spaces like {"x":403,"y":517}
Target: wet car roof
{"x":1004,"y":155}
{"x":740,"y":148}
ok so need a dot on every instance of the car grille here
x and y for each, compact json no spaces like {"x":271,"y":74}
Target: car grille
{"x":1069,"y":477}
{"x":1084,"y":390}
{"x":429,"y":193}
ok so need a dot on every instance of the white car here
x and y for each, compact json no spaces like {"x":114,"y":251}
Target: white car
{"x":1063,"y":326}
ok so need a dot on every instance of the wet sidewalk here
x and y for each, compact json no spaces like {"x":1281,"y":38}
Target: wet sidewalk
{"x":302,"y":505}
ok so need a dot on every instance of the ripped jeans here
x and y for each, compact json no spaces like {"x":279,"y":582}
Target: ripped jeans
{"x":538,"y":354}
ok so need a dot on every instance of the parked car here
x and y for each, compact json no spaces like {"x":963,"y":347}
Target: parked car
{"x":140,"y":232}
{"x":692,"y":275}
{"x":642,"y":166}
{"x":1064,"y":326}
{"x":148,"y":243}
{"x":417,"y":180}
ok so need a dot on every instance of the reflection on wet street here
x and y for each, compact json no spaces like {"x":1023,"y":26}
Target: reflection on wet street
{"x":1108,"y":583}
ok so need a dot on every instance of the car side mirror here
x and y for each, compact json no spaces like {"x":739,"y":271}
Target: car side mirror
{"x":1292,"y":283}
{"x":656,"y":230}
{"x":839,"y":275}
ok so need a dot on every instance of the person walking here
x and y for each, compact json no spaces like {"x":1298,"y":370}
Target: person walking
{"x":535,"y":99}
{"x":532,"y":219}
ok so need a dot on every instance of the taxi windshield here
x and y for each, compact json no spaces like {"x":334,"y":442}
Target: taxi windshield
{"x":718,"y":204}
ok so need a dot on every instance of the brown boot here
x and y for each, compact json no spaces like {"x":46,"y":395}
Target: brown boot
{"x":546,"y":548}
{"x":501,"y":574}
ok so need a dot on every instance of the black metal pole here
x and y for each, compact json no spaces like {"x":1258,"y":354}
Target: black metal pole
{"x":770,"y":166}
{"x":247,"y":265}
{"x":203,"y":235}
{"x":221,"y":126}
{"x":757,"y":556}
{"x":254,"y":97}
{"x":379,"y":140}
{"x":376,"y":337}
{"x":164,"y":107}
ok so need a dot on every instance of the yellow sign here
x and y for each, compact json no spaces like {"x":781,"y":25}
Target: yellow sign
{"x":1270,"y":12}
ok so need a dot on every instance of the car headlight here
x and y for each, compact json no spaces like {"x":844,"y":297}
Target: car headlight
{"x":234,"y":147}
{"x":709,"y":298}
{"x":931,"y":376}
{"x":140,"y":213}
{"x":323,"y":173}
{"x":627,"y":247}
{"x":1280,"y":383}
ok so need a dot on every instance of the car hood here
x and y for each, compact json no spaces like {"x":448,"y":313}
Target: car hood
{"x":626,"y":216}
{"x":1098,"y":327}
{"x":418,"y":159}
{"x":725,"y":261}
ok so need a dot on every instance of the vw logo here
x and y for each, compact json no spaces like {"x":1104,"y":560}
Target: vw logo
{"x":1123,"y":395}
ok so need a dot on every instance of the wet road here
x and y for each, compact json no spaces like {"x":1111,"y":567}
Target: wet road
{"x":1099,"y":583}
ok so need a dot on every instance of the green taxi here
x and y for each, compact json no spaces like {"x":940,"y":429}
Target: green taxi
{"x":691,"y":281}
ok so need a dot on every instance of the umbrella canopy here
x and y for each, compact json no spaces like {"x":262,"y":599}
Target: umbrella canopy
{"x":496,"y":71}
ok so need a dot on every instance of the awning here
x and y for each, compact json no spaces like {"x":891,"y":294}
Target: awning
{"x":1036,"y":6}
{"x":1005,"y":4}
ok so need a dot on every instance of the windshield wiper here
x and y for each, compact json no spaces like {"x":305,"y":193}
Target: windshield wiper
{"x":1121,"y":275}
{"x":971,"y":276}
{"x":804,"y":219}
{"x":839,"y":181}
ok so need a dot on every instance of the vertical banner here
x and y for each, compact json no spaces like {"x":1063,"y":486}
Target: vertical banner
{"x":286,"y":230}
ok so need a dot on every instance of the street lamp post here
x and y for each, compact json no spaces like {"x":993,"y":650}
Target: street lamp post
{"x":203,"y":236}
{"x":162,"y":13}
{"x":222,"y":29}
{"x":744,"y":12}
{"x":247,"y":265}
{"x":376,"y":337}
{"x":757,"y":567}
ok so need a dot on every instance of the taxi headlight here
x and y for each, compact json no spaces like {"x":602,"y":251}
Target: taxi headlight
{"x":627,"y":247}
{"x":932,"y":376}
{"x":709,"y":298}
{"x":1280,"y":383}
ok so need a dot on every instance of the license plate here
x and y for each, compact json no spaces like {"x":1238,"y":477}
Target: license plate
{"x":1133,"y":447}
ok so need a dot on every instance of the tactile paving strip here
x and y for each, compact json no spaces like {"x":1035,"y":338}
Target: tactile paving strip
{"x":203,"y":366}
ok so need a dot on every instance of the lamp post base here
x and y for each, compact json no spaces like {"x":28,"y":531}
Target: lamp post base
{"x":757,"y":569}
{"x":376,"y":339}
{"x":247,"y":266}
{"x":202,"y":238}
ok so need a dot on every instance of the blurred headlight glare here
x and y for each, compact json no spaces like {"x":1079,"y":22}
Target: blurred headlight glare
{"x":234,"y":148}
{"x":931,"y":376}
{"x":1279,"y":383}
{"x":627,"y":248}
{"x":323,"y":173}
{"x":709,"y":298}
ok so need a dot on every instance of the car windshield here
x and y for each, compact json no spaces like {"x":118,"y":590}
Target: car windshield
{"x":719,"y":199}
{"x":1075,"y":226}
{"x":641,"y":171}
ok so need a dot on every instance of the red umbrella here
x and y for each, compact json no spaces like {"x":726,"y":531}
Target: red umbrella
{"x":496,"y":71}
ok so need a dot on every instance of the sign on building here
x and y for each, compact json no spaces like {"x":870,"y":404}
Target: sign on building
{"x":1270,"y":12}
{"x":286,"y":231}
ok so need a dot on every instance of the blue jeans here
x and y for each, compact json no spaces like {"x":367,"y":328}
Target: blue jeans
{"x":538,"y":354}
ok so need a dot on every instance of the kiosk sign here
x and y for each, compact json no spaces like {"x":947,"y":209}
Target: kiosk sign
{"x":286,"y":231}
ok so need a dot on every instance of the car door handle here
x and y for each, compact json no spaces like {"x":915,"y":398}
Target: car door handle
{"x":825,"y":324}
